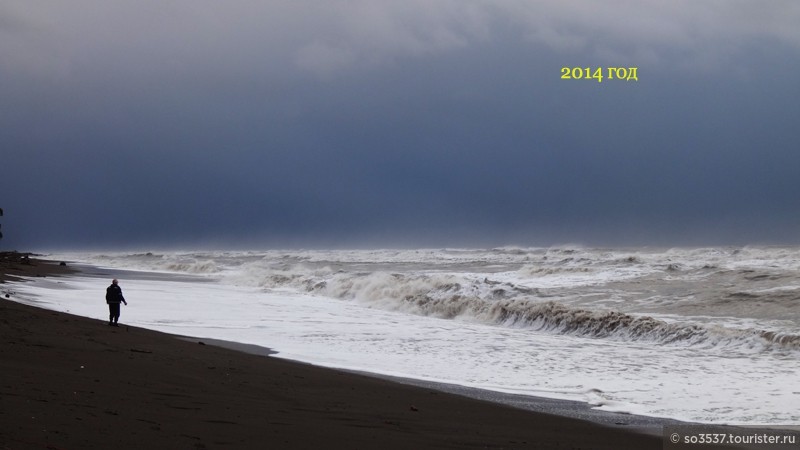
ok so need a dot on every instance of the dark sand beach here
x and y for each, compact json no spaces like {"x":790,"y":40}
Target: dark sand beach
{"x":14,"y":265}
{"x":69,"y":382}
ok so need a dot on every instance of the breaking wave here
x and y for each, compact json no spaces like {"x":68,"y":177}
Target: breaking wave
{"x":452,"y":296}
{"x":557,"y":318}
{"x":553,"y":317}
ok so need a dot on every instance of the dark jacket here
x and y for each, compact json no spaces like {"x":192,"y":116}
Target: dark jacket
{"x":114,"y":294}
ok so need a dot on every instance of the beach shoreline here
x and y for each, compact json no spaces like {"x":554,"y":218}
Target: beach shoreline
{"x":358,"y":409}
{"x":561,"y":407}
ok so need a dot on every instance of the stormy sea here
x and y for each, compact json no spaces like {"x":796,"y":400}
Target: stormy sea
{"x":698,"y":334}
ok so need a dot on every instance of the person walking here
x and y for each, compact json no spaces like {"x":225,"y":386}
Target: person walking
{"x":113,"y":298}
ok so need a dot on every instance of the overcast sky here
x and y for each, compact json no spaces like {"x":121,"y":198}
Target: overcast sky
{"x":343,"y":123}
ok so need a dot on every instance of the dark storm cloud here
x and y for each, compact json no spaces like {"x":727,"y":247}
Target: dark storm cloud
{"x":387,"y":123}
